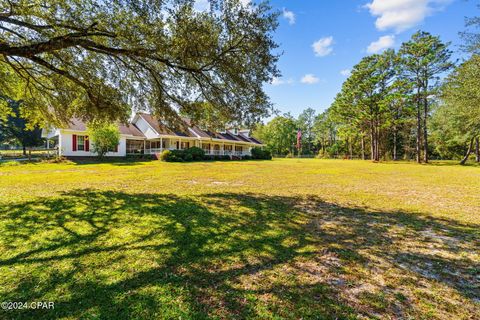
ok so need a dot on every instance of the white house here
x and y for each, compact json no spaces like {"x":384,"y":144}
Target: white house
{"x":147,"y":135}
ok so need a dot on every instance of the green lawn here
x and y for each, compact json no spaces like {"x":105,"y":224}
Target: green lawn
{"x":311,"y":239}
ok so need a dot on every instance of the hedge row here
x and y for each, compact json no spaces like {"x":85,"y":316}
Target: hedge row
{"x":197,"y":154}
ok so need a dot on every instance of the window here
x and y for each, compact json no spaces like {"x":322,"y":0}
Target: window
{"x":134,"y":146}
{"x":156,"y":144}
{"x":81,"y":143}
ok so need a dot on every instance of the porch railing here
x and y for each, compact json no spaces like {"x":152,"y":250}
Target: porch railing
{"x":207,"y":152}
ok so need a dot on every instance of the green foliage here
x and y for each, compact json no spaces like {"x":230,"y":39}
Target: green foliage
{"x":14,"y":127}
{"x":261,"y":154}
{"x":165,"y":155}
{"x":375,"y":111}
{"x":423,"y":59}
{"x":174,"y":156}
{"x":279,"y":134}
{"x":361,"y":107}
{"x":92,"y":58}
{"x":190,"y":154}
{"x":104,"y":137}
{"x":195,"y":153}
{"x":457,"y":120}
{"x":306,"y":123}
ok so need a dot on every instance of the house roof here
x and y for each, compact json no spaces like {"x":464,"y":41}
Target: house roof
{"x":130,"y":129}
{"x":160,"y":128}
{"x":126,"y":129}
{"x":190,"y":130}
{"x":255,"y":140}
{"x":251,"y":139}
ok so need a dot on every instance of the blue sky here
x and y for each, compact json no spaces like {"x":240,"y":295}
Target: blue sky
{"x":344,"y":31}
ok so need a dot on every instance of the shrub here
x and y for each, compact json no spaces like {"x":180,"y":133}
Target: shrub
{"x":247,"y":157}
{"x":165,"y":155}
{"x":187,"y":156}
{"x":261,"y":154}
{"x":197,"y":154}
{"x":172,"y":156}
{"x":190,"y":154}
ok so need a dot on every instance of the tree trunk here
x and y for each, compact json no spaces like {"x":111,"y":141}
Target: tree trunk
{"x":470,"y":147}
{"x":29,"y":154}
{"x":372,"y":145}
{"x":394,"y":144}
{"x":24,"y":150}
{"x":350,"y":149}
{"x":477,"y":149}
{"x":376,"y":147}
{"x":419,"y":128}
{"x":425,"y":131}
{"x":363,"y":147}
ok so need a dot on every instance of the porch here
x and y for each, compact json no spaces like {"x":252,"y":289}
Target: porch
{"x":211,"y":148}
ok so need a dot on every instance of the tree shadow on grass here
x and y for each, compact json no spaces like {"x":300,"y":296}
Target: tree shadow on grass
{"x":114,"y":255}
{"x":116,"y":161}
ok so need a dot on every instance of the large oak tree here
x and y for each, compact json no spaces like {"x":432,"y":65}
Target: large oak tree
{"x":96,"y":59}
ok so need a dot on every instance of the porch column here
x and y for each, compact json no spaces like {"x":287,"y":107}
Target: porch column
{"x":60,"y":151}
{"x":144,"y":146}
{"x":161,"y":144}
{"x":223,"y":148}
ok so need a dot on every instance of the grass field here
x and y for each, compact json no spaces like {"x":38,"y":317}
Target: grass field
{"x":288,"y":238}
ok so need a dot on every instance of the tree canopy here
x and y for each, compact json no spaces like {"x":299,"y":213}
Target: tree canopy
{"x":13,"y":127}
{"x":457,"y":120}
{"x":105,"y":137}
{"x":279,"y":134}
{"x":424,"y":58}
{"x":96,"y":59}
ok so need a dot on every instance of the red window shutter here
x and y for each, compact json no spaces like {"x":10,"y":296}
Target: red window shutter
{"x":74,"y":142}
{"x":116,"y":148}
{"x":87,"y":144}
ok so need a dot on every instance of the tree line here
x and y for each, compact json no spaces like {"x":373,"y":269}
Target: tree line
{"x":414,"y":103}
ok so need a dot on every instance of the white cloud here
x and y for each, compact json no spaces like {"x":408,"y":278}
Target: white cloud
{"x":346,"y":72}
{"x":323,"y":46}
{"x":381,"y":44}
{"x":401,"y":15}
{"x":245,"y":2}
{"x":309,"y":79}
{"x":279,"y":81}
{"x":289,"y":15}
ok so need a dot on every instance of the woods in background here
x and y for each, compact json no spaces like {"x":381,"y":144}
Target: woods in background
{"x":394,"y":106}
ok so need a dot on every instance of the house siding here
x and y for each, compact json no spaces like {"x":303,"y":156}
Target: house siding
{"x":145,"y":128}
{"x":66,"y":148}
